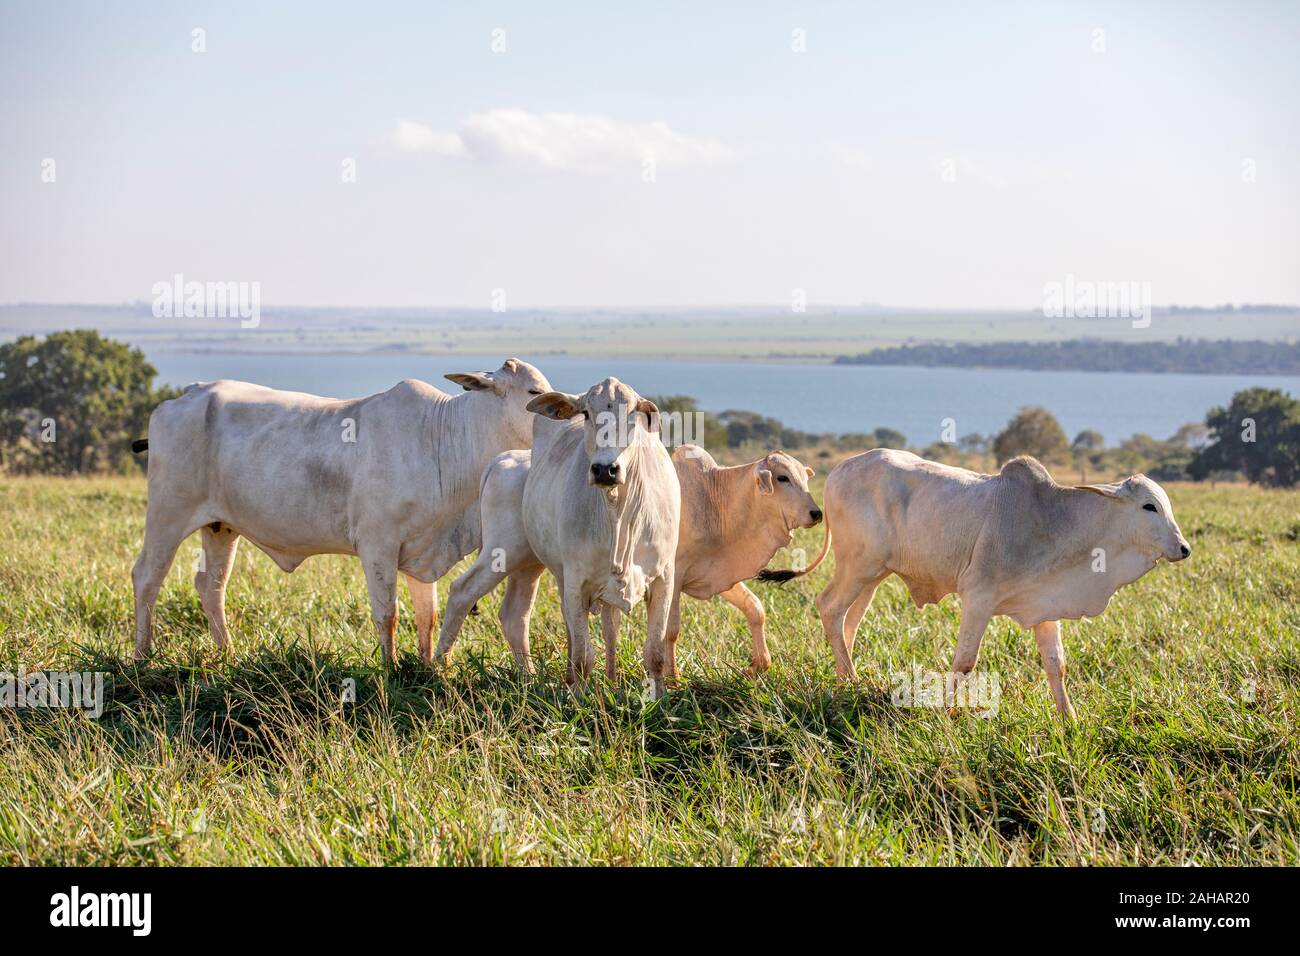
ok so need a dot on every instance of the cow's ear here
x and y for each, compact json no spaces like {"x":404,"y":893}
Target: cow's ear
{"x":1111,"y":489}
{"x":764,"y":478}
{"x":471,"y":381}
{"x":808,"y":471}
{"x":651,"y":411}
{"x":556,"y":405}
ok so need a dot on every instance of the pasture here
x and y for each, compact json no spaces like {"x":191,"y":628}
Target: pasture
{"x":1185,"y":750}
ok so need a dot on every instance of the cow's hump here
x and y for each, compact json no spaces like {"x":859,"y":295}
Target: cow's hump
{"x":1027,"y":470}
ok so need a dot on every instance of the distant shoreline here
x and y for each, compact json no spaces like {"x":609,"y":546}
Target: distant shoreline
{"x":1182,"y":356}
{"x":771,"y":360}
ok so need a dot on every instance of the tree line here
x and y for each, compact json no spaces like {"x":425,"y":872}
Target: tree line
{"x":71,"y":403}
{"x":1192,"y":356}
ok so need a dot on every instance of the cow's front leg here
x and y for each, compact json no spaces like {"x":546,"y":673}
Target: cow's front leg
{"x":671,"y":633}
{"x":974,"y":622}
{"x":658,"y":605}
{"x":1048,"y":636}
{"x":381,"y":581}
{"x":424,"y":602}
{"x":582,"y":658}
{"x":748,"y":603}
{"x":610,"y":619}
{"x":975,"y":616}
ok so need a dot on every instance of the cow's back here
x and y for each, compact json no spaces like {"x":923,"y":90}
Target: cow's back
{"x":897,"y":512}
{"x":700,"y":519}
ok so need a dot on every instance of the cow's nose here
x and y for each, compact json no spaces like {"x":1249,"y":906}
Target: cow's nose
{"x":1186,"y":550}
{"x":604,"y":474}
{"x":815,"y":514}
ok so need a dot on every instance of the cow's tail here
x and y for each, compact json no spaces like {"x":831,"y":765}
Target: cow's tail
{"x":780,"y":577}
{"x":139,"y":445}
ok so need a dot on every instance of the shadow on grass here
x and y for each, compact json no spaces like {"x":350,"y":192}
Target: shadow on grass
{"x":249,"y":708}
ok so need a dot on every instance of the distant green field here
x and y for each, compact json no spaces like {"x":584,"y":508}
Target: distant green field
{"x":1185,"y":750}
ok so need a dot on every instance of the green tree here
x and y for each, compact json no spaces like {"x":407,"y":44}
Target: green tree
{"x":1033,"y":431}
{"x":714,"y":433}
{"x":1258,"y":434}
{"x":889,"y":438}
{"x":73,"y":402}
{"x":1086,"y":449}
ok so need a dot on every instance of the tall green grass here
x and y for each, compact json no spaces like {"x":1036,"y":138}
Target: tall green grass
{"x":1184,"y":751}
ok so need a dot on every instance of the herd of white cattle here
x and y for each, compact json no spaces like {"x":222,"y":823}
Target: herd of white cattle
{"x":412,"y":480}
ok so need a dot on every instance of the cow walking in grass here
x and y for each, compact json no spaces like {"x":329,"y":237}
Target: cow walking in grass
{"x":1015,"y":543}
{"x":733,"y":520}
{"x":392,"y":478}
{"x":597,"y":503}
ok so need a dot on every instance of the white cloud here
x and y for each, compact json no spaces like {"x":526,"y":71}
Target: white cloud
{"x":569,"y":141}
{"x":417,"y":138}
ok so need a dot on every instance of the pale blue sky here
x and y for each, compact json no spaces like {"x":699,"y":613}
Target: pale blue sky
{"x":775,"y":170}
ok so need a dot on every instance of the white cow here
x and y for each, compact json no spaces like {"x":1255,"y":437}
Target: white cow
{"x":733,"y":520}
{"x":597,"y":503}
{"x":392,"y":478}
{"x":1015,"y":543}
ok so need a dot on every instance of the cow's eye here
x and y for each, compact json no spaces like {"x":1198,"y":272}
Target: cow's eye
{"x":1149,"y":507}
{"x":534,"y":391}
{"x":785,"y":478}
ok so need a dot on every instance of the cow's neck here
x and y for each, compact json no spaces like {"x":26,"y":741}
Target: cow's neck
{"x":1099,"y":523}
{"x":631,"y":517}
{"x":736,"y":515}
{"x":466,"y":430}
{"x":626,"y":510}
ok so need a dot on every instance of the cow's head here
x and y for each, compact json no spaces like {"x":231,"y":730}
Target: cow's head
{"x":618,"y":421}
{"x":782,"y":482}
{"x":1148,"y":518}
{"x":515,"y":383}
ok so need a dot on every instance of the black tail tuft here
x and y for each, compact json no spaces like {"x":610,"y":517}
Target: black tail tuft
{"x":139,"y":445}
{"x":767,"y":574}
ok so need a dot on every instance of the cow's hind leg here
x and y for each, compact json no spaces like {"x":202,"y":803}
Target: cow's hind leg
{"x":516,"y":609}
{"x":610,"y":619}
{"x":161,"y":539}
{"x":220,"y":542}
{"x":858,"y":610}
{"x":424,"y":603}
{"x":480,"y":578}
{"x":847,"y":584}
{"x":381,"y":580}
{"x":1048,"y":636}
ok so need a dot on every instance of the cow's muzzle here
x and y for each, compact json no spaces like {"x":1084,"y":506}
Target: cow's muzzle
{"x":605,"y":475}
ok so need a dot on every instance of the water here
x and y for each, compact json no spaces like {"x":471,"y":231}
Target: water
{"x":815,"y":398}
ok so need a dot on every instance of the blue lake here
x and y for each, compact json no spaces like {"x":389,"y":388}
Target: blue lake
{"x":818,"y":398}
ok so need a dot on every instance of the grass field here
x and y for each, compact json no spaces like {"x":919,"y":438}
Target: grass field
{"x":1185,"y":750}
